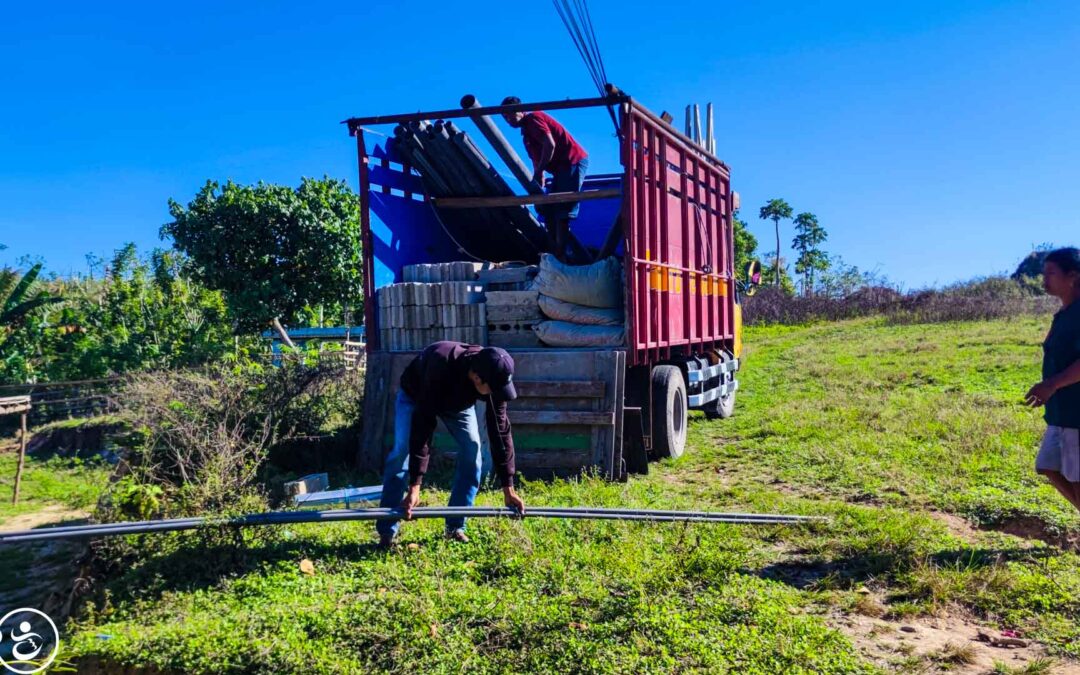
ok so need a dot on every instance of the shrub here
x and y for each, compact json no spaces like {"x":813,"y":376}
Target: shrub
{"x":205,"y":435}
{"x":976,"y":300}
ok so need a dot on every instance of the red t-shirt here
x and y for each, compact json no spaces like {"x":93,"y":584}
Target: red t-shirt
{"x":535,"y":127}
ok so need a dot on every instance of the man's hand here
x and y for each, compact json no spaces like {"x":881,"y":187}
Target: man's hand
{"x":412,"y":498}
{"x":1040,"y":393}
{"x":513,"y":500}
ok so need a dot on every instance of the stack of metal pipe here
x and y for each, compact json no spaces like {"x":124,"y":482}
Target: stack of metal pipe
{"x":451,"y":165}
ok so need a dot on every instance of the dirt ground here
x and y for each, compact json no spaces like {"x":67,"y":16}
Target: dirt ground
{"x":937,"y":645}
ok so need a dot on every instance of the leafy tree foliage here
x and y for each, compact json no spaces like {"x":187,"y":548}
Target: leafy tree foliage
{"x":144,"y":314}
{"x":776,"y":210}
{"x":787,"y":284}
{"x":745,"y":244}
{"x":22,"y":300}
{"x":272,"y":250}
{"x":809,"y":235}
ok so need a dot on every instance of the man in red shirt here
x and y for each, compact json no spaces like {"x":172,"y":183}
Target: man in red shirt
{"x":552,"y":149}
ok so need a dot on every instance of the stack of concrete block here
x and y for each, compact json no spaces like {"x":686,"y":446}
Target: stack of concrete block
{"x":412,"y":315}
{"x":507,"y":278}
{"x":438,"y":272}
{"x":511,"y":318}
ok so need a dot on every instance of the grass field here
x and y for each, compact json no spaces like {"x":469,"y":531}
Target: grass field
{"x":911,"y":439}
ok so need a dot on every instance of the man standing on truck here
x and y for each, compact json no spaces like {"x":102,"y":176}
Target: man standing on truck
{"x":444,"y":382}
{"x":552,"y":149}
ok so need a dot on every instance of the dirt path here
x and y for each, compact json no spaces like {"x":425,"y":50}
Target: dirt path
{"x":39,"y":575}
{"x":54,"y":514}
{"x":938,"y":645}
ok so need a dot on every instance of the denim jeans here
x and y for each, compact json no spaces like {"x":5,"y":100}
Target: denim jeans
{"x":465,"y":431}
{"x":568,"y":180}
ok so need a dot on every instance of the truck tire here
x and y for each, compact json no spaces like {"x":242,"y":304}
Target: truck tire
{"x":720,"y":409}
{"x":668,"y":412}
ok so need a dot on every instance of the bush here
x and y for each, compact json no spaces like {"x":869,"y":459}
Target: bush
{"x":977,"y":300}
{"x":203,"y":436}
{"x":773,"y":305}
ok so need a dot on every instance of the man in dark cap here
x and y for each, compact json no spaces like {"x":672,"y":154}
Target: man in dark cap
{"x":552,"y":149}
{"x":444,"y":382}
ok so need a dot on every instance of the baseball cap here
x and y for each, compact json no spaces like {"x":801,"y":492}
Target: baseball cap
{"x":496,"y":368}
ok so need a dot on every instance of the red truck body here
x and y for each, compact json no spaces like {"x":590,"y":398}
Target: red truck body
{"x":675,"y":205}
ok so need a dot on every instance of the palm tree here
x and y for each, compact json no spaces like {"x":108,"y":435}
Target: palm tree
{"x":811,"y":258}
{"x":776,"y":210}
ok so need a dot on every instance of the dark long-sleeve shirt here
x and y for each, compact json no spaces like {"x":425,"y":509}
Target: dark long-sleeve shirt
{"x":438,"y":383}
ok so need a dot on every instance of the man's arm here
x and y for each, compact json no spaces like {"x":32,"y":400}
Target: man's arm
{"x":502,"y":451}
{"x":547,"y":151}
{"x":540,"y":133}
{"x":423,"y":425}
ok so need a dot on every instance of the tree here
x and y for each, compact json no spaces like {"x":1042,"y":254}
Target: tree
{"x":787,"y":285}
{"x":272,"y":250}
{"x":19,"y":295}
{"x":776,"y":210}
{"x":21,"y":298}
{"x":809,"y":235}
{"x":745,"y":244}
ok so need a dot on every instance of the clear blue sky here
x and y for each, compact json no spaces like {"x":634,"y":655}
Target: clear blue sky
{"x":935,"y":140}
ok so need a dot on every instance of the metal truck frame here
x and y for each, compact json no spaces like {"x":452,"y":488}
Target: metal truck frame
{"x":608,"y":410}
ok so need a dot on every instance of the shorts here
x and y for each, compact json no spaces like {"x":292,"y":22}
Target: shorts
{"x":1060,"y":451}
{"x":570,"y":180}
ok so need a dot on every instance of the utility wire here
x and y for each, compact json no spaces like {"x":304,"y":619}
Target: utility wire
{"x":578,"y":21}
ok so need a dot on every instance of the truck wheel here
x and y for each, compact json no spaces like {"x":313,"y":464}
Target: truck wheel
{"x":669,"y":411}
{"x":720,"y":409}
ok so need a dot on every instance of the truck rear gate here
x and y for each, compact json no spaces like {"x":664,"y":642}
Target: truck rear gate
{"x":582,"y":408}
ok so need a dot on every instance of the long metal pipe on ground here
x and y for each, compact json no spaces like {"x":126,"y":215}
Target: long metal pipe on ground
{"x":463,"y":509}
{"x":340,"y":515}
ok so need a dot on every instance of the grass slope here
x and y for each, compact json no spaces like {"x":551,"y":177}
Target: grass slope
{"x":881,"y":428}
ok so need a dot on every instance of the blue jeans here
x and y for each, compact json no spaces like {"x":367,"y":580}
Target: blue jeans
{"x":465,"y":431}
{"x":568,"y":180}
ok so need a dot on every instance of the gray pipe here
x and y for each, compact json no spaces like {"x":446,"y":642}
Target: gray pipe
{"x":411,"y":148}
{"x":505,"y":151}
{"x":583,"y":510}
{"x":340,"y":515}
{"x":521,"y":218}
{"x":710,"y":138}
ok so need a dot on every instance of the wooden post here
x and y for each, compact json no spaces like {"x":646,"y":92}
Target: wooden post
{"x":22,"y":458}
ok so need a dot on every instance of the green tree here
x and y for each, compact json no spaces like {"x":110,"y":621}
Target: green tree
{"x":745,"y":244}
{"x":787,"y":284}
{"x":776,"y":210}
{"x":144,"y":314}
{"x":21,"y":295}
{"x":809,"y":235}
{"x":272,"y":250}
{"x":22,"y":302}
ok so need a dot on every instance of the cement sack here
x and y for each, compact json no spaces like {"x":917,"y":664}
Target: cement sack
{"x":563,"y":334}
{"x":596,"y":285}
{"x":579,"y":314}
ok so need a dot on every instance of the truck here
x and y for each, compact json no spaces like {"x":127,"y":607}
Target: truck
{"x":666,"y":213}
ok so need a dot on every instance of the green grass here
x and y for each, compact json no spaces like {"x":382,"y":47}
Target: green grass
{"x":51,"y":480}
{"x":878,"y":427}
